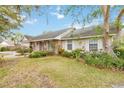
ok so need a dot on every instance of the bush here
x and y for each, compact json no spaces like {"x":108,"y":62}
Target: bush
{"x":119,"y":52}
{"x":4,"y":49}
{"x":67,"y":54}
{"x":60,"y":51}
{"x":77,"y":53}
{"x":103,"y":60}
{"x":37,"y":54}
{"x":22,"y":51}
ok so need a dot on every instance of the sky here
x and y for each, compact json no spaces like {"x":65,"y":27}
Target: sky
{"x":37,"y":24}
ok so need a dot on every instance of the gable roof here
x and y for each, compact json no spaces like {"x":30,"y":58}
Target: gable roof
{"x":28,"y":37}
{"x":73,"y":34}
{"x":88,"y":32}
{"x":50,"y":35}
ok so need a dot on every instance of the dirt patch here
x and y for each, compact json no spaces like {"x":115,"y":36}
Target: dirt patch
{"x":8,"y":62}
{"x":28,"y":78}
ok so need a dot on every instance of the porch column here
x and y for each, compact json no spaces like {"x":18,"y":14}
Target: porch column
{"x":57,"y":46}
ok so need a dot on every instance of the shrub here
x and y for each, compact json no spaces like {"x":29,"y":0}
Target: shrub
{"x":22,"y":51}
{"x":76,"y":53}
{"x":30,"y":50}
{"x":60,"y":51}
{"x":119,"y":52}
{"x":4,"y":49}
{"x":67,"y":54}
{"x":37,"y":54}
{"x":103,"y":60}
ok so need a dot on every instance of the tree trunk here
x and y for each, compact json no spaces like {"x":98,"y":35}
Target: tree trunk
{"x":106,"y":41}
{"x":118,"y":29}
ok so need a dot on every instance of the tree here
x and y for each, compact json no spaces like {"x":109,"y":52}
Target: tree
{"x":17,"y":38}
{"x":106,"y":15}
{"x":118,"y":39}
{"x":118,"y":23}
{"x":95,"y":12}
{"x":10,"y":16}
{"x":9,"y":19}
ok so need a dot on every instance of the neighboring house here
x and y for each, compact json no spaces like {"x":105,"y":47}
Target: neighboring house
{"x":71,"y":39}
{"x":9,"y":43}
{"x":5,"y":43}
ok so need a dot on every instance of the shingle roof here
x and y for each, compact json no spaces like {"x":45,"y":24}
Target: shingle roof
{"x":87,"y":32}
{"x":50,"y":35}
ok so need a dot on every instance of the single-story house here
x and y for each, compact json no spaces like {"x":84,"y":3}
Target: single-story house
{"x":70,"y":39}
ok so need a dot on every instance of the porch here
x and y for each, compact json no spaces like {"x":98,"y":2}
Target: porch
{"x":46,"y":45}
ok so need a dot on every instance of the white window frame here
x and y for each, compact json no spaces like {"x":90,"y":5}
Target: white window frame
{"x":69,"y":42}
{"x":93,"y":45}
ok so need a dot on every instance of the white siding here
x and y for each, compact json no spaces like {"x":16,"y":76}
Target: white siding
{"x":79,"y":44}
{"x":64,"y":45}
{"x":76,"y":44}
{"x":100,"y":44}
{"x":86,"y":45}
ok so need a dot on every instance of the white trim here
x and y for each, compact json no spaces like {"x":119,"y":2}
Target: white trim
{"x":43,"y":39}
{"x":92,"y":41}
{"x":69,"y":43}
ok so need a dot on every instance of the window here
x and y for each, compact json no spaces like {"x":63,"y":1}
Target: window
{"x":69,"y":45}
{"x":93,"y":45}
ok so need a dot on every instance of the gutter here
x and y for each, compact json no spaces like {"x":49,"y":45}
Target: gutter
{"x":43,"y":39}
{"x":85,"y":37}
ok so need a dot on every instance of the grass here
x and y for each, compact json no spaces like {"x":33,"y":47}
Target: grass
{"x":56,"y":71}
{"x":3,"y":72}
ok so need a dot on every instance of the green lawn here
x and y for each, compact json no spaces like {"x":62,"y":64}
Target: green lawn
{"x":56,"y":71}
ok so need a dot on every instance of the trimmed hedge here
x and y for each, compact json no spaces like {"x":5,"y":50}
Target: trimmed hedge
{"x":74,"y":54}
{"x":22,"y":51}
{"x":38,"y":54}
{"x":4,"y":49}
{"x":67,"y":54}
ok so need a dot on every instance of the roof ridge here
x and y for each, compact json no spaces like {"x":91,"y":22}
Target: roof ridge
{"x":51,"y":35}
{"x":54,"y":31}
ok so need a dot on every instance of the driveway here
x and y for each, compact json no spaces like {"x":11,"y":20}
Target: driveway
{"x":10,"y":54}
